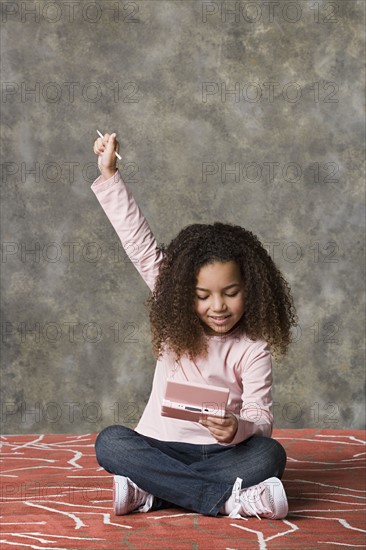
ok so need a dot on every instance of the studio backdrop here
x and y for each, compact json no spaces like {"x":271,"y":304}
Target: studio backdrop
{"x":245,"y":112}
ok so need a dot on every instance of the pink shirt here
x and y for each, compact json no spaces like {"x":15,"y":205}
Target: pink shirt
{"x":236,"y":362}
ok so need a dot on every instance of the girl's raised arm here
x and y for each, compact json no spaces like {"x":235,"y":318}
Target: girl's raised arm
{"x":124,"y":213}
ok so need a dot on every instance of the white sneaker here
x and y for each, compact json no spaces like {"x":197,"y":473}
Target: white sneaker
{"x":127,"y":497}
{"x":267,"y":499}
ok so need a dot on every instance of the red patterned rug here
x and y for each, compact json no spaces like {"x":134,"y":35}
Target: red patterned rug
{"x":55,"y":496}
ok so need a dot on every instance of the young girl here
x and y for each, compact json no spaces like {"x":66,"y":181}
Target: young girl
{"x":218,"y":308}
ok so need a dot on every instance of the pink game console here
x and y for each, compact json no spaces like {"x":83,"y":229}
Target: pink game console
{"x":191,"y":401}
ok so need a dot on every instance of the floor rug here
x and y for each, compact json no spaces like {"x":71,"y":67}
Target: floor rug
{"x":55,"y":496}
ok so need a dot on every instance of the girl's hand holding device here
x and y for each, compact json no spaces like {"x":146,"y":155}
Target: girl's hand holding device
{"x":107,"y":148}
{"x":222,"y":429}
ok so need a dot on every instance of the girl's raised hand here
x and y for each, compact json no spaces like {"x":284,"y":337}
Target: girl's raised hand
{"x":222,"y":429}
{"x":105,"y":148}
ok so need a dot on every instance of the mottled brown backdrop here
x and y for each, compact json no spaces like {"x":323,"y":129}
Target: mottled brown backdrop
{"x":245,"y":112}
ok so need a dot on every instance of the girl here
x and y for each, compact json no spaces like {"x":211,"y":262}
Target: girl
{"x":218,"y":308}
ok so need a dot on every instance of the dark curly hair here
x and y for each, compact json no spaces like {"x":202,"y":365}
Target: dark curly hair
{"x":269,"y":309}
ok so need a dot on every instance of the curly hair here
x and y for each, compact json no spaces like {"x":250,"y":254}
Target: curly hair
{"x":269,"y":309}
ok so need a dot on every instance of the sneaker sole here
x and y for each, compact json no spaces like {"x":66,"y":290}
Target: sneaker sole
{"x":276,"y":495}
{"x":120,"y":487}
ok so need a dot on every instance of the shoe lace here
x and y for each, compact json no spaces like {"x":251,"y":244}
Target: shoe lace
{"x":249,"y":495}
{"x":236,"y":511}
{"x":247,"y":500}
{"x":147,"y":505}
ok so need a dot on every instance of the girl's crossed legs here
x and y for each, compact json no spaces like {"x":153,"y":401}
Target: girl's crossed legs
{"x":191,"y":476}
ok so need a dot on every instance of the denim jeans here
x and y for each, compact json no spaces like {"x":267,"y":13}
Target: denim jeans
{"x":196,"y":477}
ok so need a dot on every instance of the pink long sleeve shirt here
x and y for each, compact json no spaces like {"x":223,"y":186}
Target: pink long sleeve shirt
{"x":234,"y":361}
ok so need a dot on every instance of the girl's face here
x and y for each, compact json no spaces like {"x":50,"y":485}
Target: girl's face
{"x":219,"y":299}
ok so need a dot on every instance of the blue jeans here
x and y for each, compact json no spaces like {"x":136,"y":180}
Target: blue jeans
{"x":195,"y":477}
